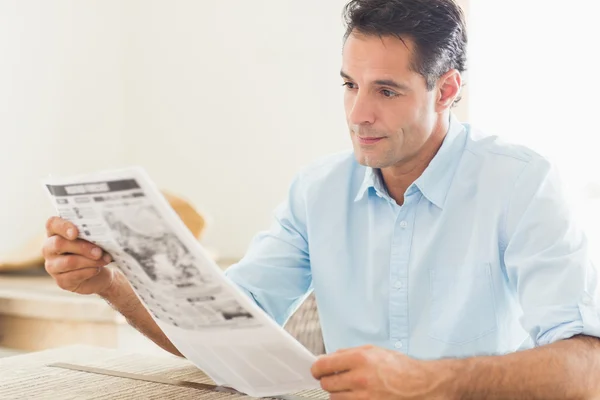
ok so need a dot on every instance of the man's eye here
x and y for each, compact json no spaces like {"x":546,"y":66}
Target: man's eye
{"x":388,"y":93}
{"x":349,"y":85}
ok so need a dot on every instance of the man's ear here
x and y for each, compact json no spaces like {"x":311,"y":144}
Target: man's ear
{"x":448,"y":88}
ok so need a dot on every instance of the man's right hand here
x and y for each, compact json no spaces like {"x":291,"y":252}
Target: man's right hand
{"x":80,"y":266}
{"x":75,"y":264}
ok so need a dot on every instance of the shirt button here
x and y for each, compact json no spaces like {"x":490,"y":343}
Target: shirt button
{"x":403,"y":224}
{"x":398,"y":344}
{"x":587,"y":301}
{"x":398,"y":284}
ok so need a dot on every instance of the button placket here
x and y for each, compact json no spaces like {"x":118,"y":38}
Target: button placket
{"x":401,"y":243}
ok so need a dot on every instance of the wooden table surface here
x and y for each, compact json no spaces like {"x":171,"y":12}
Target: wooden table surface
{"x":28,"y":377}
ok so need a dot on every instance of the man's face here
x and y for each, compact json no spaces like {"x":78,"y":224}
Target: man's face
{"x":389,"y":111}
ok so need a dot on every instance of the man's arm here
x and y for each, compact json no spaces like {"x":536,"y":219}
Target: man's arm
{"x":275,"y":272}
{"x":567,"y":369}
{"x":122,"y":298}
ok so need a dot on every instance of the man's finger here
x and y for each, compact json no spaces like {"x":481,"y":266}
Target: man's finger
{"x":62,"y":227}
{"x":70,"y":263}
{"x":57,"y":245}
{"x":341,"y":382}
{"x":337,"y":362}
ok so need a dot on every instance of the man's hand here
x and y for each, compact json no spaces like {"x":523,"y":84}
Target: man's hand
{"x":374,"y":373}
{"x":75,"y":264}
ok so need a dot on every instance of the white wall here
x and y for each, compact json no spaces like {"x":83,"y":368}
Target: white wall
{"x":61,"y":101}
{"x":535,"y":82}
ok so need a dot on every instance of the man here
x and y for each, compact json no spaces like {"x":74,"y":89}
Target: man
{"x":439,"y":257}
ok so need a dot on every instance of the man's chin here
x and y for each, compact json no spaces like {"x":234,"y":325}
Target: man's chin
{"x":368,"y":161}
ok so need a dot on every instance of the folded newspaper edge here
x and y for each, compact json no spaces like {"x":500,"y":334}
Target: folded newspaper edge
{"x":206,"y":316}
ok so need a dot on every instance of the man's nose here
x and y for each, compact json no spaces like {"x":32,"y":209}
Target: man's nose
{"x":362,"y":111}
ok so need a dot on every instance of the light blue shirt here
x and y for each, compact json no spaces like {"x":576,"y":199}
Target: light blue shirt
{"x":483,"y":257}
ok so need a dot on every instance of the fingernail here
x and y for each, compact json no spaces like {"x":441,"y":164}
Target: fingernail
{"x":96,"y":253}
{"x":107,"y":258}
{"x":71,"y":233}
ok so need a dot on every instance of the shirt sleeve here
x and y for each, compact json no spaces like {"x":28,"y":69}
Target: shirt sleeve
{"x":275,"y":272}
{"x":547,"y":260}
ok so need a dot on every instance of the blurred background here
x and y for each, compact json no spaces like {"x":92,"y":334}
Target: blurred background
{"x":222,"y":102}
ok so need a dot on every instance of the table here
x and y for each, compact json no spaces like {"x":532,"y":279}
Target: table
{"x":35,"y":314}
{"x":30,"y":377}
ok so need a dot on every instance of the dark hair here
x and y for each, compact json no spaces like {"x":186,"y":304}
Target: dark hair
{"x":437,"y":28}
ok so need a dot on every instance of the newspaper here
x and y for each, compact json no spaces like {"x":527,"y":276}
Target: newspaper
{"x":209,"y":319}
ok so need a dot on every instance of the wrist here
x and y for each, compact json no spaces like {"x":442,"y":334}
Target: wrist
{"x":113,"y":288}
{"x":449,"y":375}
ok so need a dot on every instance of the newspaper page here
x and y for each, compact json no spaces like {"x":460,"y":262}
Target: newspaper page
{"x":209,"y":319}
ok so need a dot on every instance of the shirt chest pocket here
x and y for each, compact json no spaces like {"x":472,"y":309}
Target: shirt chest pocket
{"x":462,"y":307}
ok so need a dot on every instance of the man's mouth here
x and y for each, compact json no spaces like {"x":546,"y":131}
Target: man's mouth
{"x":369,"y":140}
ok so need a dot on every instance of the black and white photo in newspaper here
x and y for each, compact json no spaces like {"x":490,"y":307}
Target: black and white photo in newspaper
{"x":118,"y":216}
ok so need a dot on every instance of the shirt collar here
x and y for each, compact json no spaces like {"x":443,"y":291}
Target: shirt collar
{"x":435,"y":181}
{"x":372,"y":179}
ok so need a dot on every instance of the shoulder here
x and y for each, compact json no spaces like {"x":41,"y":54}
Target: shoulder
{"x":333,"y":171}
{"x":496,"y":149}
{"x":494,"y":157}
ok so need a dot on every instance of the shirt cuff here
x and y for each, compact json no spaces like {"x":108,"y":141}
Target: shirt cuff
{"x":584,"y":320}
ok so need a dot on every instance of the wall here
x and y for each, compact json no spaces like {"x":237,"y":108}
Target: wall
{"x":61,"y":101}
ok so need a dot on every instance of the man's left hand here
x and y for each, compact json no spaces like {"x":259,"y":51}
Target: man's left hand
{"x":374,"y":373}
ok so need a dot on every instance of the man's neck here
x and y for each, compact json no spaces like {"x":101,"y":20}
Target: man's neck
{"x":399,"y":177}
